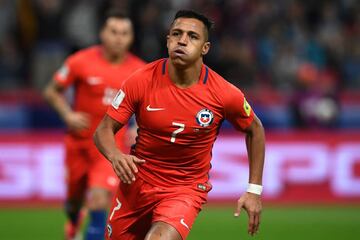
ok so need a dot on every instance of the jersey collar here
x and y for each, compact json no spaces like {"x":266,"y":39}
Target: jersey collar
{"x":203,"y":75}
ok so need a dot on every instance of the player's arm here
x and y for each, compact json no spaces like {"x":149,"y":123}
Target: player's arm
{"x":243,"y":118}
{"x":255,"y":145}
{"x":124,"y":165}
{"x":54,"y":95}
{"x":251,"y":200}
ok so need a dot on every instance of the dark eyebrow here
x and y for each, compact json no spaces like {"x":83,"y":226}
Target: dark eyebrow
{"x":189,"y":32}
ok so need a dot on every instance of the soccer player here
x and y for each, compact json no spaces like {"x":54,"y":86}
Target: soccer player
{"x":96,"y":74}
{"x":179,"y":104}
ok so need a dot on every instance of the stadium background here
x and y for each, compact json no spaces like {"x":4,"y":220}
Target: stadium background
{"x":297,"y":61}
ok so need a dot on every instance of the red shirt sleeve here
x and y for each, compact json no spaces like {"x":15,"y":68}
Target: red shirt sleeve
{"x":126,"y":101}
{"x":68,"y":72}
{"x":237,"y":109}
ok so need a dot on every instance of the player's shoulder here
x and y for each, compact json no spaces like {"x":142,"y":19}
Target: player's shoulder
{"x":146,"y":73}
{"x":214,"y":76}
{"x":149,"y":69}
{"x":85,"y":54}
{"x":221,"y":89}
{"x":153,"y":66}
{"x":135,"y":60}
{"x":218,"y":82}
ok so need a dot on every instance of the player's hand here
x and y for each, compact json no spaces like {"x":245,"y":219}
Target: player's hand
{"x":77,"y":121}
{"x":252,"y":204}
{"x":125,"y":167}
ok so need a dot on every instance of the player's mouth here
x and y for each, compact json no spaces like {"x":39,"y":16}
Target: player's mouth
{"x":179,"y":52}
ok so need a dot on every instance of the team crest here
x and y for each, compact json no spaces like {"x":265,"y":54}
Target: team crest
{"x":204,"y":117}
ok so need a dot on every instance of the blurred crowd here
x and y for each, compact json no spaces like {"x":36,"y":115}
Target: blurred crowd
{"x":302,"y":52}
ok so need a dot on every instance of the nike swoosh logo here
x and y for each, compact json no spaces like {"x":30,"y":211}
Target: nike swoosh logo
{"x":94,"y":80}
{"x":184,"y":224}
{"x":150,"y":109}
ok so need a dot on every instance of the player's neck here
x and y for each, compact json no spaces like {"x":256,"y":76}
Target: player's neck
{"x":185,"y":77}
{"x":113,"y":58}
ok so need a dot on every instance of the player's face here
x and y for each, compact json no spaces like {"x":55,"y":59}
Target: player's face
{"x":187,"y":42}
{"x":117,"y":35}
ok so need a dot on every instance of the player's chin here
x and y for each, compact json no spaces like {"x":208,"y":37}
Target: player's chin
{"x":117,"y":50}
{"x":179,"y":61}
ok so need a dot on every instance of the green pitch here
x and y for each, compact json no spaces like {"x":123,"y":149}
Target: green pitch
{"x":214,"y":223}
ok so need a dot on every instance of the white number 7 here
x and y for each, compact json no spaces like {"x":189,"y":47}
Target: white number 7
{"x":180,"y":129}
{"x":118,"y":206}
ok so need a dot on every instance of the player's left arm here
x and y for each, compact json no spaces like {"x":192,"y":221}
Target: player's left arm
{"x":251,"y":202}
{"x":241,"y":115}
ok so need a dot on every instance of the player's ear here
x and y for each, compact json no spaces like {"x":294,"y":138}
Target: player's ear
{"x":167,"y":40}
{"x":132,"y":37}
{"x":101,"y":34}
{"x":131,"y":32}
{"x":205,"y":48}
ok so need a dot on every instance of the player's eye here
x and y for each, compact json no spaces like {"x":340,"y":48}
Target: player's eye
{"x":175,"y":34}
{"x":124,"y":33}
{"x":192,"y":36}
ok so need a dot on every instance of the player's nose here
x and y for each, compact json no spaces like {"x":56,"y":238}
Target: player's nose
{"x":183,"y":40}
{"x":119,"y":41}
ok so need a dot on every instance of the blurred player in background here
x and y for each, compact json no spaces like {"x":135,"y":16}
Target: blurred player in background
{"x":179,"y":104}
{"x":96,"y":73}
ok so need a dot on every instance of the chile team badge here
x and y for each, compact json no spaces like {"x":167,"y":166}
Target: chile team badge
{"x":204,"y":117}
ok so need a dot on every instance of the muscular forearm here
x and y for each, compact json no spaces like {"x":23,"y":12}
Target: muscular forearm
{"x":251,"y":200}
{"x":104,"y":139}
{"x":255,"y":143}
{"x":125,"y":166}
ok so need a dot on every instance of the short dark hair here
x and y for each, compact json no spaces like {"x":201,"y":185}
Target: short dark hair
{"x":192,"y":14}
{"x":114,"y":13}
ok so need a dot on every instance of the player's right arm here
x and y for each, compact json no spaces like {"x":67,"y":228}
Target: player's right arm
{"x":123,"y":106}
{"x":54,"y":95}
{"x":124,"y":165}
{"x":54,"y":92}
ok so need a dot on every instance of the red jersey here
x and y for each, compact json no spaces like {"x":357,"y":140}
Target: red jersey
{"x":96,"y":82}
{"x":177,"y":126}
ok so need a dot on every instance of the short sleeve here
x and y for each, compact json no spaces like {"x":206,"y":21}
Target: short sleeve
{"x":68,"y":72}
{"x":237,"y":109}
{"x":125,"y":102}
